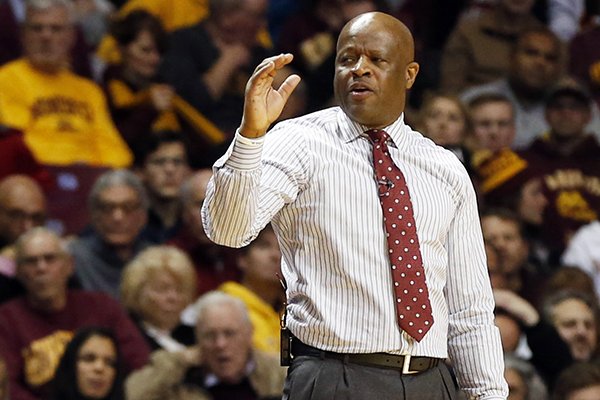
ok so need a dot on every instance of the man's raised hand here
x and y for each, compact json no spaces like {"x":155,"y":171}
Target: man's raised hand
{"x":263,"y":103}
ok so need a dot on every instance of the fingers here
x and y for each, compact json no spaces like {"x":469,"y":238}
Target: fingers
{"x":288,"y":86}
{"x":269,"y":66}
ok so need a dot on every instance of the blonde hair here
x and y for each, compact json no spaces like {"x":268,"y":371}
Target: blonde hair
{"x":147,"y":264}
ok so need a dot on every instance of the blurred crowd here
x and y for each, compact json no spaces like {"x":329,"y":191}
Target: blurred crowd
{"x":113,"y":111}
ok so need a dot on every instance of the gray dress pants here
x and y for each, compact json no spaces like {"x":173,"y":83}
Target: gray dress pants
{"x":313,"y":378}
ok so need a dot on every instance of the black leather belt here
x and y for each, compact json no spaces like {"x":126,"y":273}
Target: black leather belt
{"x":405,"y":364}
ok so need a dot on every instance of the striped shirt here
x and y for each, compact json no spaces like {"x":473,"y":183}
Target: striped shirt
{"x":313,"y":179}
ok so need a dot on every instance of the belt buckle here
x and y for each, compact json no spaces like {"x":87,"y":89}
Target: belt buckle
{"x":406,"y":366}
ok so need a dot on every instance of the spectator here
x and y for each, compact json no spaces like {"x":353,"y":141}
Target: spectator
{"x":509,"y":181}
{"x":524,"y":383}
{"x":503,"y":230}
{"x":478,"y":49}
{"x":493,"y":119}
{"x":139,"y":100}
{"x":163,"y":166}
{"x":583,"y":252}
{"x":13,"y":17}
{"x":90,"y":367}
{"x":64,"y":117}
{"x":22,"y":206}
{"x":535,"y":66}
{"x":35,"y":328}
{"x":223,"y":366}
{"x":581,"y":381}
{"x":444,"y":119}
{"x":118,"y":207}
{"x":584,"y":60}
{"x":156,"y":286}
{"x":569,"y":157}
{"x":214,"y":264}
{"x":575,"y":317}
{"x":260,"y":289}
{"x":526,"y":335}
{"x":209,"y":63}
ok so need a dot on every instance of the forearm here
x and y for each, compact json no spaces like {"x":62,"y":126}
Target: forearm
{"x":230,"y":209}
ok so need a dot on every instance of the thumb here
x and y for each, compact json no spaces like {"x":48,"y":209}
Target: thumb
{"x":288,"y":86}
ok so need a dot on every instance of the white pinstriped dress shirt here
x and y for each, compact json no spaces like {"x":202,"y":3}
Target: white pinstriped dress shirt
{"x":313,"y":179}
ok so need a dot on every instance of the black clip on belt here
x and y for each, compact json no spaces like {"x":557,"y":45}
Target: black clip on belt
{"x":405,"y":364}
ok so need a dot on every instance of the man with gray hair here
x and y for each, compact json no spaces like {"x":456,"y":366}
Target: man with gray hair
{"x":118,"y":207}
{"x":64,"y":117}
{"x":35,"y":328}
{"x":223,"y":365}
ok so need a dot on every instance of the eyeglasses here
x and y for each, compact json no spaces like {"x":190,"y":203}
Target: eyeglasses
{"x":47,"y":258}
{"x":14,"y":214}
{"x":127,"y":207}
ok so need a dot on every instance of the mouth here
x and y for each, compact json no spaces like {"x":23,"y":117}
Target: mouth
{"x":359,"y":91}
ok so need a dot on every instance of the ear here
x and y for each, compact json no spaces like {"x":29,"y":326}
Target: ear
{"x":412,"y":69}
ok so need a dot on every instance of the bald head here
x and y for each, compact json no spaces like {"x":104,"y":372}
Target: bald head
{"x":374,"y":68}
{"x":22,"y":206}
{"x":385,"y":22}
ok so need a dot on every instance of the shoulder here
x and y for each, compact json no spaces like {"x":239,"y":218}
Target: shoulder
{"x":307,"y":127}
{"x":12,"y":69}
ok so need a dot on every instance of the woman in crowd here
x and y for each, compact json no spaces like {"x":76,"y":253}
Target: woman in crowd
{"x":156,"y":286}
{"x":90,"y":368}
{"x":445,"y":120}
{"x":140,"y":102}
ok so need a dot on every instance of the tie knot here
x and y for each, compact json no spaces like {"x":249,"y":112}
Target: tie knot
{"x":377,"y":135}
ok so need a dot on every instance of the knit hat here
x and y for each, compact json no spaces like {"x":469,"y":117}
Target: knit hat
{"x":568,"y":87}
{"x":503,"y":173}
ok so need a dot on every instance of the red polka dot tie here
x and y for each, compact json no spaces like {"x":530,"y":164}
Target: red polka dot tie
{"x":408,"y":276}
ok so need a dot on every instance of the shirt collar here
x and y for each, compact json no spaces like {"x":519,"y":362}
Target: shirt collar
{"x":351,"y":130}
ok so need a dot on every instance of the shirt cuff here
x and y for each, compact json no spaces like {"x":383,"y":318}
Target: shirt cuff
{"x":246,"y":153}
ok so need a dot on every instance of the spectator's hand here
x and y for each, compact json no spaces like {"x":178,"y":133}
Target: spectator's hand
{"x":161,"y":96}
{"x":517,"y":306}
{"x":263,"y":103}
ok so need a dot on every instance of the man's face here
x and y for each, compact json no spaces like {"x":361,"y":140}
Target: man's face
{"x":372,"y":72}
{"x":21,"y":208}
{"x":576,"y":325}
{"x":262,"y":260}
{"x":506,"y":238}
{"x":225,"y":339}
{"x":48,"y":38}
{"x":165,"y":170}
{"x":536,"y":63}
{"x":493,"y":125}
{"x":44,"y":269}
{"x":567,"y":117}
{"x":119,"y":215}
{"x":192,"y":205}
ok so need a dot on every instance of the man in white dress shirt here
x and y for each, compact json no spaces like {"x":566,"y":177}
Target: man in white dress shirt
{"x":313,"y":179}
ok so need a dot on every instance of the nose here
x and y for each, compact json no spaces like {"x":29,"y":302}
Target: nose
{"x":361,"y":67}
